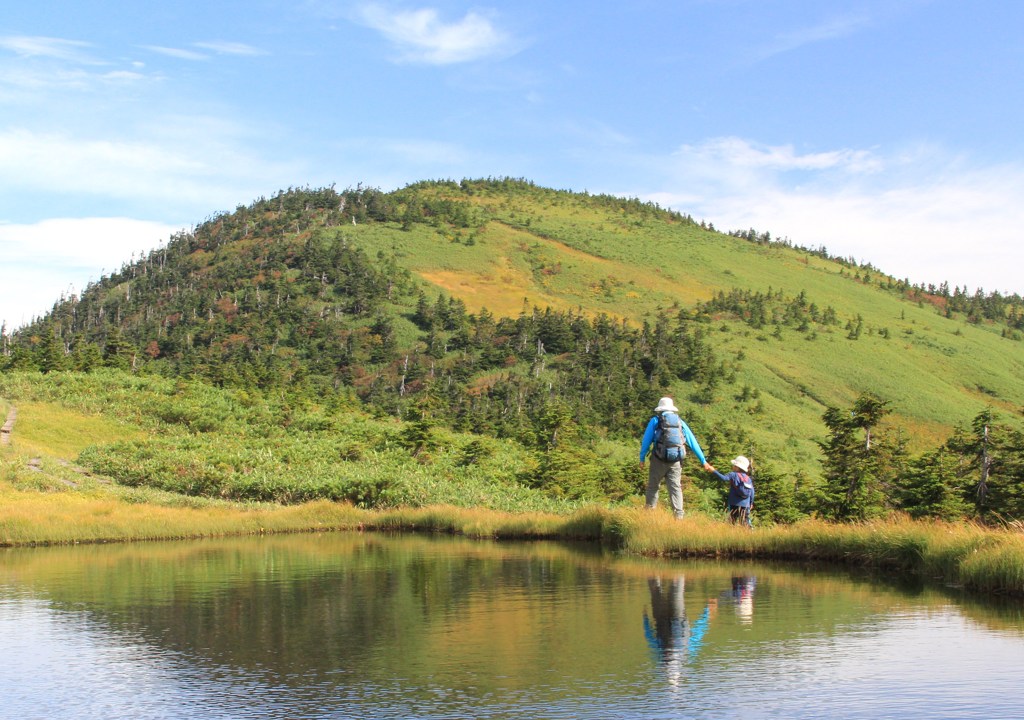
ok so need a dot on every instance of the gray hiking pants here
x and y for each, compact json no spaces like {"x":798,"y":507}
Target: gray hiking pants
{"x":671,"y":472}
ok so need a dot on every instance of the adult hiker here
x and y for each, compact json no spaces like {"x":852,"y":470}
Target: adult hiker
{"x":741,"y":490}
{"x":667,"y":438}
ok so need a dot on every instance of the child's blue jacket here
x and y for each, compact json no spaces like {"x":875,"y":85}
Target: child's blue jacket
{"x":737,"y":483}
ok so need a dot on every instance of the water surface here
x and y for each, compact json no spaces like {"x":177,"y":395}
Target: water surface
{"x":372,"y":626}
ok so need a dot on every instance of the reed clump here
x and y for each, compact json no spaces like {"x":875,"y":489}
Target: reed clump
{"x":960,"y":554}
{"x":996,"y":567}
{"x":473,"y":522}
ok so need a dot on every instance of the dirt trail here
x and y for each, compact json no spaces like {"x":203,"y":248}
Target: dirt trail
{"x":8,"y":427}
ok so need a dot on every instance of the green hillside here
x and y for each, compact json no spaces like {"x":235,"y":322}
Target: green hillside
{"x":553,"y":320}
{"x":538,"y":248}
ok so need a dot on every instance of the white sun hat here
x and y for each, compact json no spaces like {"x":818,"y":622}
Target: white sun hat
{"x":742,"y":463}
{"x":666,"y":405}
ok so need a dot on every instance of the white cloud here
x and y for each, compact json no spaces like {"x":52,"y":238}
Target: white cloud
{"x":738,"y":152}
{"x":179,"y":53}
{"x":29,"y":86}
{"x":220,"y":47}
{"x":224,"y":47}
{"x":917,"y":214}
{"x":45,"y":260}
{"x":123,"y":76}
{"x":40,"y":70}
{"x":64,"y":163}
{"x":423,"y":37}
{"x":193,"y":161}
{"x":827,"y":30}
{"x":48,"y":47}
{"x":112,"y":132}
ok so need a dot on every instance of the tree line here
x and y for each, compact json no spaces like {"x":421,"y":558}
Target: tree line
{"x":974,"y":306}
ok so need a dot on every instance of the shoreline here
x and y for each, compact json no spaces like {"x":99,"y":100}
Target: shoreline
{"x":977,"y":559}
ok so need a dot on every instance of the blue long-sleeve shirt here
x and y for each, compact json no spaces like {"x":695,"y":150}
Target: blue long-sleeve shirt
{"x":691,"y":441}
{"x":737,"y":497}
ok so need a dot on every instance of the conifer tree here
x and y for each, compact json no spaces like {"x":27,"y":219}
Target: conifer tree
{"x":51,"y":357}
{"x":118,"y":352}
{"x":933,"y":487}
{"x":854,"y":462}
{"x":774,"y":495}
{"x":991,"y":462}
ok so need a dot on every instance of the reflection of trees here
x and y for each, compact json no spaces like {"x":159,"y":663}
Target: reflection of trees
{"x":372,"y":608}
{"x":359,"y":606}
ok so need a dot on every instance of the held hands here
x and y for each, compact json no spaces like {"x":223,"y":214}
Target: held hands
{"x":707,"y":466}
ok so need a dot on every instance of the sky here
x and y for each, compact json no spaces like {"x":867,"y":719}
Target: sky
{"x":886,"y":131}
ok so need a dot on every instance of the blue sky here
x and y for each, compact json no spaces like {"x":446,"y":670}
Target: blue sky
{"x":886,"y":131}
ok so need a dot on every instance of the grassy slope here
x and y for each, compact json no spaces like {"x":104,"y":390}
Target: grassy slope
{"x":567,"y":253}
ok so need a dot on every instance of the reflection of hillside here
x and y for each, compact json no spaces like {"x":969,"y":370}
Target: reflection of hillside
{"x":372,"y":607}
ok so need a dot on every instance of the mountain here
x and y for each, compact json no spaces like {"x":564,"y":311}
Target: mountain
{"x":499,"y":307}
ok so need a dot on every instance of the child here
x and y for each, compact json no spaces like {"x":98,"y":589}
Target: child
{"x":741,"y":490}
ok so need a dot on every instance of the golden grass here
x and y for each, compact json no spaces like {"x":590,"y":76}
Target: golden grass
{"x":506,"y":280}
{"x":48,"y":518}
{"x":502,"y":291}
{"x":921,"y":433}
{"x":995,"y":567}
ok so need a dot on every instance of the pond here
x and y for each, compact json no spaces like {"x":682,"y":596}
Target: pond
{"x":377,"y":626}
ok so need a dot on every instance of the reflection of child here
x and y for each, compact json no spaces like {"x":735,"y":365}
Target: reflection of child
{"x":741,"y":490}
{"x":743,"y":593}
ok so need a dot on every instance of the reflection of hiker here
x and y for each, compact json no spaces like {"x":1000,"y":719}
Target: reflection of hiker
{"x":669,"y":630}
{"x":667,"y":437}
{"x":741,"y":490}
{"x":670,"y":636}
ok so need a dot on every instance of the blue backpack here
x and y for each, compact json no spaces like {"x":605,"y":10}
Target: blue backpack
{"x":669,"y":441}
{"x":745,"y":486}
